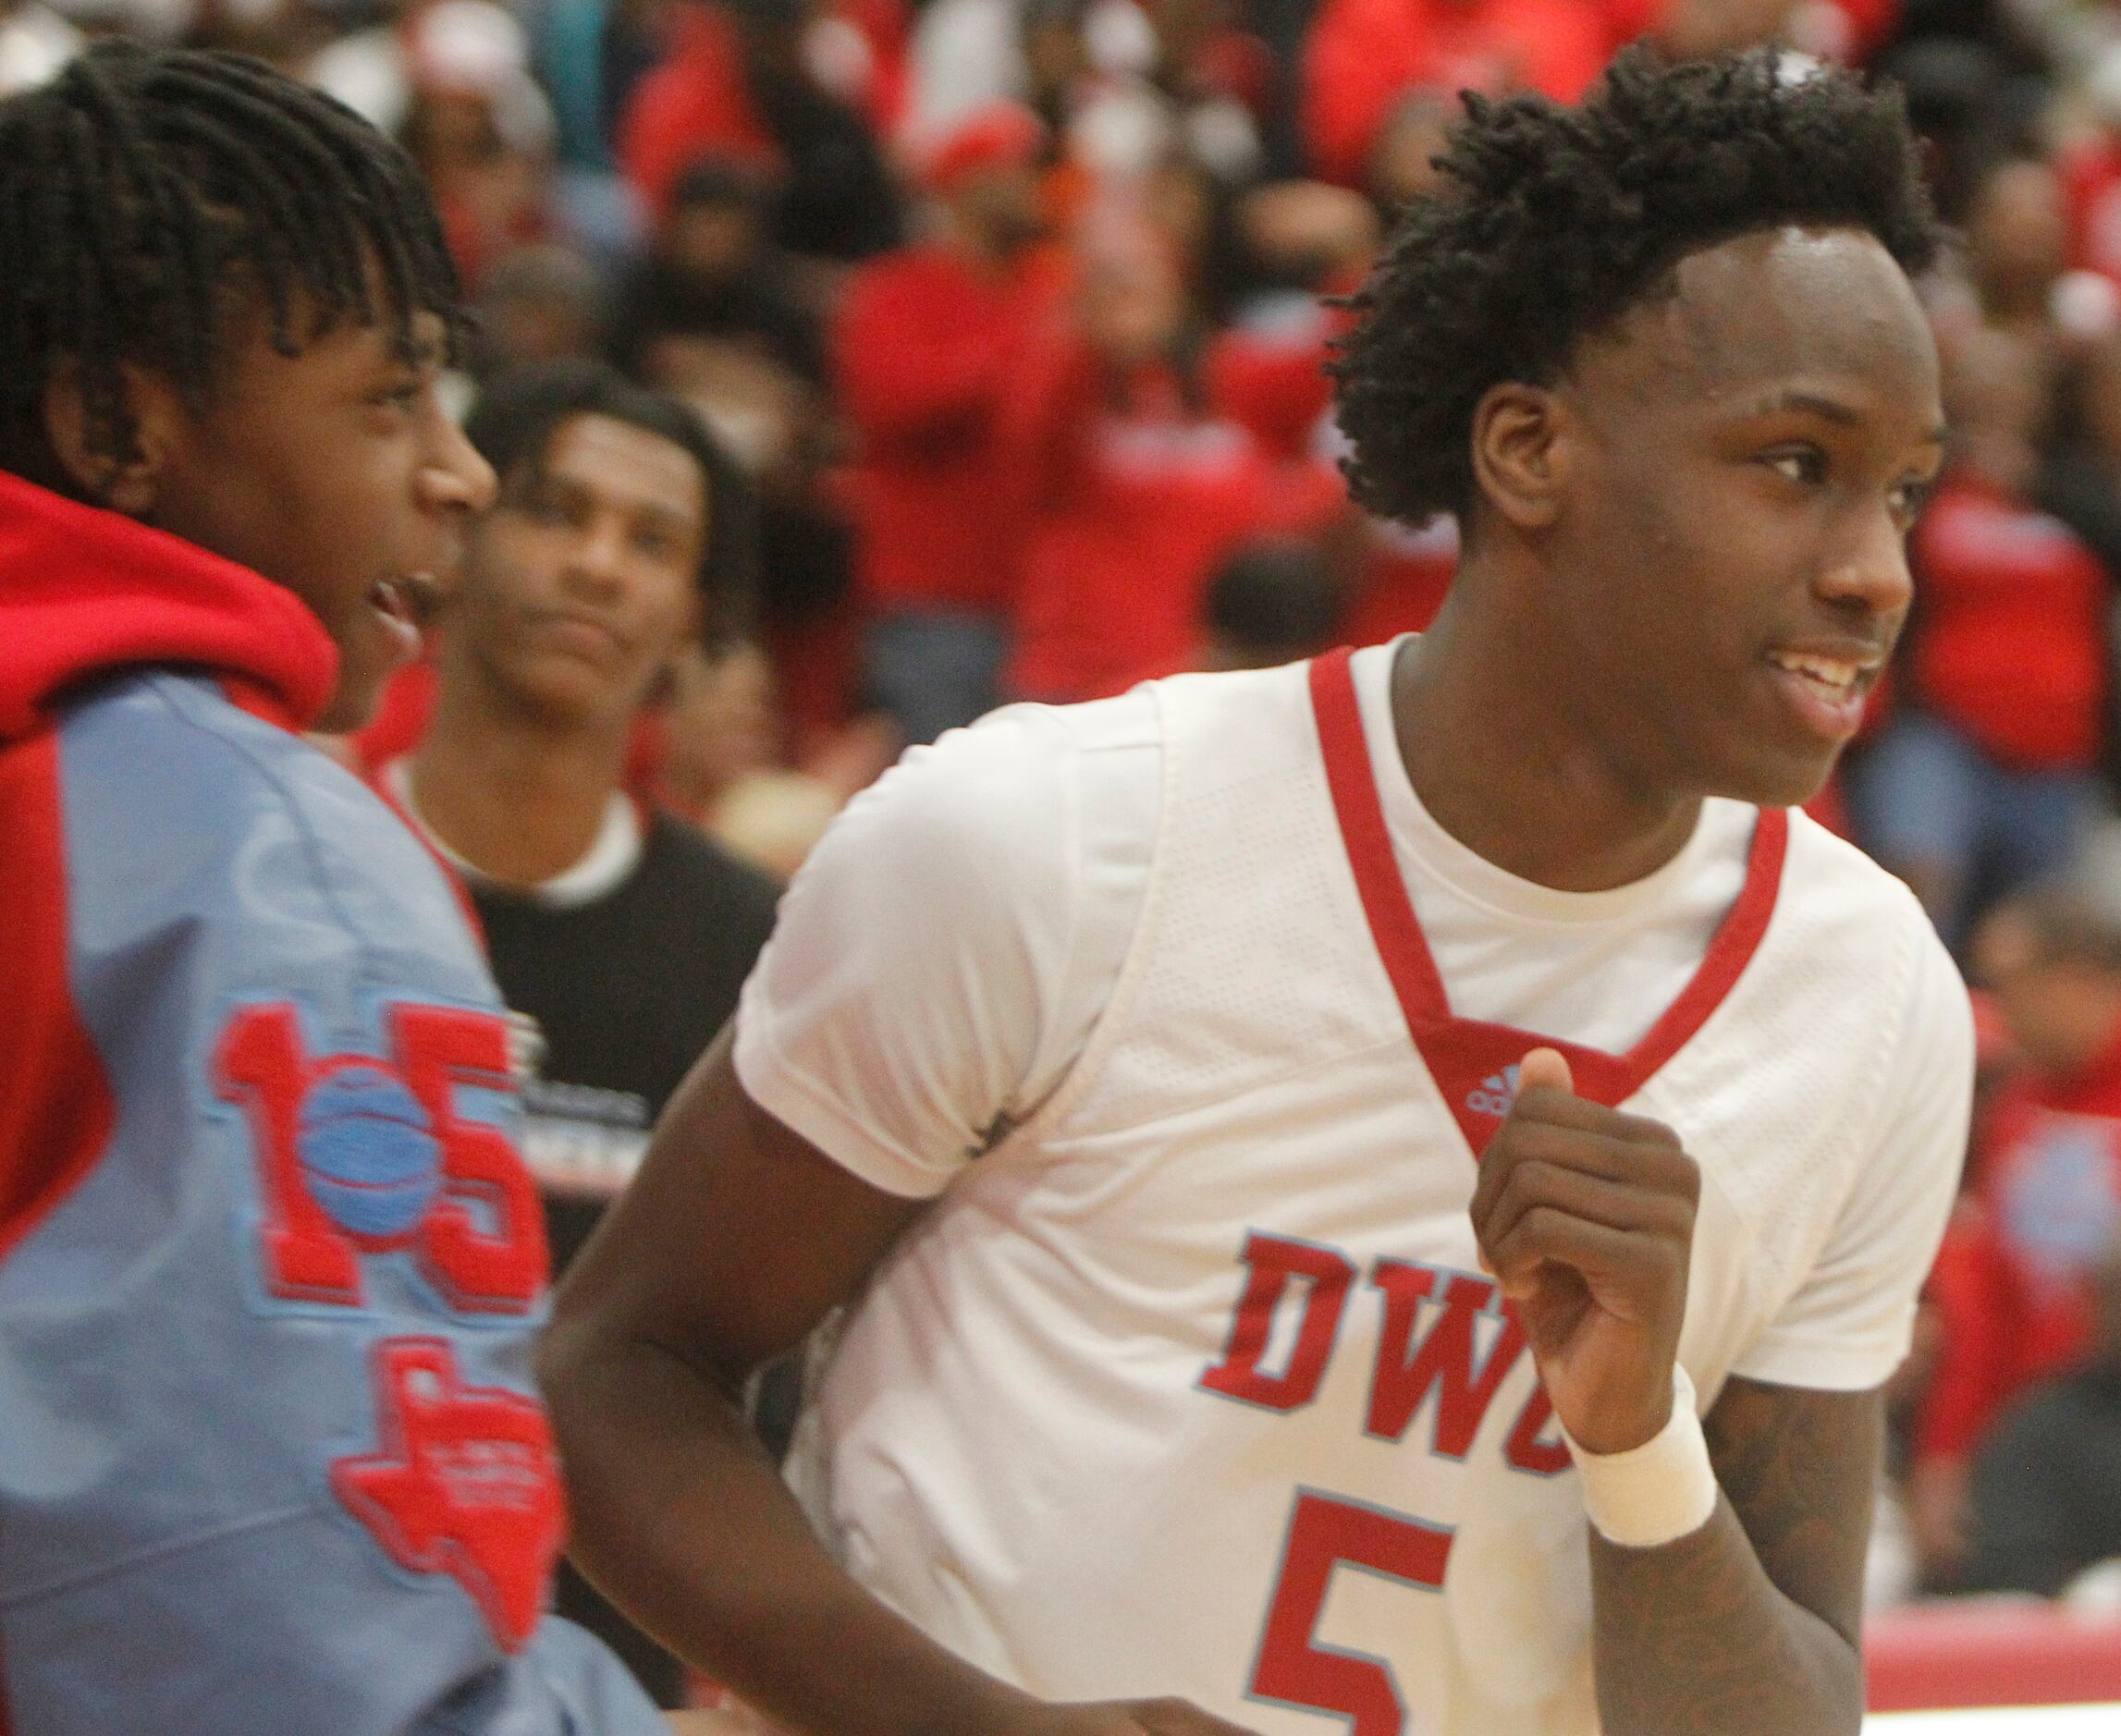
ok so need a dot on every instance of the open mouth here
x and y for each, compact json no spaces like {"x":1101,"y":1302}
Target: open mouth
{"x":411,"y":599}
{"x":402,"y":606}
{"x":1827,"y":692}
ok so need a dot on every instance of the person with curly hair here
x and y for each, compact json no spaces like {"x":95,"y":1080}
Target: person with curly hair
{"x":1382,"y":1191}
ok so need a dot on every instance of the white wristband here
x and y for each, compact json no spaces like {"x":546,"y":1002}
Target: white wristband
{"x":1658,"y":1492}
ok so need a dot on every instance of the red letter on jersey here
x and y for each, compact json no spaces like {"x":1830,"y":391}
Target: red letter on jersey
{"x":1526,"y":1451}
{"x":1274,"y":1261}
{"x":1443,"y":1361}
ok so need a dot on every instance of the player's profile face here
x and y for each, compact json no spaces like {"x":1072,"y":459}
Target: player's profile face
{"x":337,"y":473}
{"x":1750,"y":451}
{"x":581,"y":583}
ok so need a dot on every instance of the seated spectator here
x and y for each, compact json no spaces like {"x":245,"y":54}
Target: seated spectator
{"x":1984,"y":777}
{"x":723,"y":763}
{"x":620,"y":932}
{"x":2018,"y":245}
{"x":713,"y":277}
{"x":1270,"y":603}
{"x":539,"y":304}
{"x":2046,"y":1495}
{"x":737,"y":85}
{"x":923,"y":347}
{"x":2015,"y":1297}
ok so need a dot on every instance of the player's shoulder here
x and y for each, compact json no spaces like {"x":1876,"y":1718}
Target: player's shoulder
{"x":1018,"y":775}
{"x":1836,"y":902}
{"x":1827,"y":878}
{"x":226,"y":816}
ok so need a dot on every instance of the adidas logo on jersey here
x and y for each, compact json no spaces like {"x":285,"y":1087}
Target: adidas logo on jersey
{"x":1495,"y":1094}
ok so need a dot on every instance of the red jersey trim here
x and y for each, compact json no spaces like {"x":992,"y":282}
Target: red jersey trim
{"x":1462,"y":1051}
{"x":56,"y":1108}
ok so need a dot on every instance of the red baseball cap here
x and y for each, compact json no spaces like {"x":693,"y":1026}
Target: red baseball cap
{"x":995,"y":135}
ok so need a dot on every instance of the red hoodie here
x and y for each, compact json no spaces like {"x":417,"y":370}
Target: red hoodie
{"x":87,"y":592}
{"x":922,"y":353}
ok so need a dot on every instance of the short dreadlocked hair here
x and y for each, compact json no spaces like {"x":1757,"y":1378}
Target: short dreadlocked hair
{"x":1552,"y":222}
{"x":153,"y":200}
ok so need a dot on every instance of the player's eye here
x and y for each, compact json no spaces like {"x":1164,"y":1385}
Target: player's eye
{"x":1805,"y":466}
{"x":1911,"y":497}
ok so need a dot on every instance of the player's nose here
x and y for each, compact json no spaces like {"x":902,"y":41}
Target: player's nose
{"x":1866,"y":567}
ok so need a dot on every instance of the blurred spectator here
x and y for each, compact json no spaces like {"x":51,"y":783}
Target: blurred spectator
{"x":2046,"y":1490}
{"x":540,"y":303}
{"x":1138,"y":489}
{"x":1401,"y":163}
{"x":2018,"y":245}
{"x":723,"y":764}
{"x":1363,"y":57}
{"x":1984,"y":777}
{"x":740,"y":85}
{"x":1270,"y":603}
{"x":925,"y":346}
{"x":714,"y":276}
{"x":622,"y":933}
{"x":35,"y":43}
{"x":2014,"y":1295}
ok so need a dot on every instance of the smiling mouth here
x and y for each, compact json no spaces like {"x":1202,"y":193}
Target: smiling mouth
{"x":1834,"y":677}
{"x":1825,"y":694}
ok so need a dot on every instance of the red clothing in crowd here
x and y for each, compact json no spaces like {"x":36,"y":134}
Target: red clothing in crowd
{"x":696,"y":104}
{"x":2092,"y":187}
{"x":1137,"y":503}
{"x":1365,"y":56}
{"x":923,"y":346}
{"x":2013,"y":1286}
{"x":2010,"y":639}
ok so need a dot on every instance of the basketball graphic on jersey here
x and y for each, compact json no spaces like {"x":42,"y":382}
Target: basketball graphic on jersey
{"x":368,"y":1153}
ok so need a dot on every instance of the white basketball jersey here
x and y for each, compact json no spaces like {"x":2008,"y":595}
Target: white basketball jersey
{"x":1193,"y":1385}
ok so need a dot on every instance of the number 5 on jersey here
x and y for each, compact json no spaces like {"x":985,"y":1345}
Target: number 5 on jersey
{"x":1292,"y":1669}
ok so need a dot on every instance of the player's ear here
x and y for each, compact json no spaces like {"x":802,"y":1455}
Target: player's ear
{"x":130,"y":484}
{"x":1522,"y":452}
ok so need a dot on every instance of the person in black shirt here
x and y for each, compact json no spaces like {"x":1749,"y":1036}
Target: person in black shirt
{"x":619,"y":935}
{"x":2046,"y":1488}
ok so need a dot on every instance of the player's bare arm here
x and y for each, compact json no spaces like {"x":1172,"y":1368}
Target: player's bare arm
{"x":1681,"y":1642}
{"x":1748,"y":1622}
{"x":737,"y":1238}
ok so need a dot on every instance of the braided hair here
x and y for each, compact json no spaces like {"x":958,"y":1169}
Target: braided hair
{"x":155,"y":202}
{"x":1551,"y":223}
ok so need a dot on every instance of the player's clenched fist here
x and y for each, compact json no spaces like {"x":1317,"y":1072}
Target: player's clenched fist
{"x":1585,"y":1217}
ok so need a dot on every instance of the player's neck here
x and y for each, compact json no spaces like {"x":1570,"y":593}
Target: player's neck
{"x":521,"y":805}
{"x":1489,"y":744}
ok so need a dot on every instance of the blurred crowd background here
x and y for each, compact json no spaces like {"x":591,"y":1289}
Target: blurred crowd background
{"x":1012,"y":314}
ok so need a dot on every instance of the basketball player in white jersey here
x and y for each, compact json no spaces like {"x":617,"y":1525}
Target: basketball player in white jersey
{"x":1376,"y":1195}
